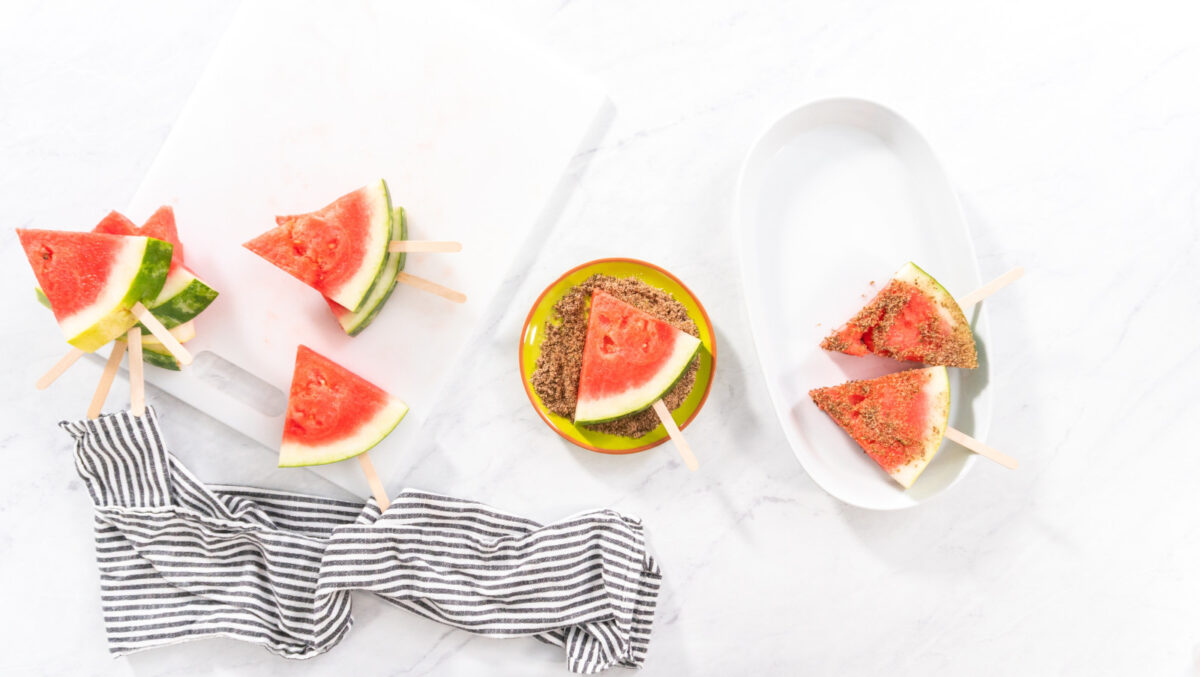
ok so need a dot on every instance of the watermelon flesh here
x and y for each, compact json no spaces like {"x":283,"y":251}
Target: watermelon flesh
{"x":332,"y":413}
{"x":354,"y":321}
{"x":339,"y":250}
{"x":898,"y":419}
{"x":183,"y":295}
{"x":630,"y":360}
{"x":913,"y":318}
{"x":91,"y":280}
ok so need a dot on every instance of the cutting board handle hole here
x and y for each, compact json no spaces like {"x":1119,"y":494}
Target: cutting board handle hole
{"x":225,"y":376}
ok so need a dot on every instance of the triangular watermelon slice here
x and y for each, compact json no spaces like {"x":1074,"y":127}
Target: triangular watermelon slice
{"x":630,"y":359}
{"x":913,"y":318}
{"x":898,"y":419}
{"x":91,"y":280}
{"x":354,"y":321}
{"x":339,"y":250}
{"x":333,"y":414}
{"x":183,"y":295}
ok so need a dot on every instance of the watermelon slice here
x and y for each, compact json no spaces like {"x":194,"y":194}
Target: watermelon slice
{"x":354,"y":321}
{"x":183,"y":295}
{"x":630,"y":359}
{"x":156,"y":354}
{"x":339,"y":250}
{"x":333,"y":414}
{"x":913,"y":318}
{"x":92,"y":279}
{"x":898,"y":419}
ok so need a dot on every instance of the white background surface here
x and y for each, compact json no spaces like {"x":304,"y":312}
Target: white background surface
{"x":1072,"y":132}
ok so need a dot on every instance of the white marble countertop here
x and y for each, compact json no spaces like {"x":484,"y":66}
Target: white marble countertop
{"x":1072,"y":132}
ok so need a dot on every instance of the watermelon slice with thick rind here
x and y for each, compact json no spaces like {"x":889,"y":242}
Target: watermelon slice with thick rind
{"x":354,"y":321}
{"x":339,"y":249}
{"x":913,"y":318}
{"x":630,"y":359}
{"x":332,"y":413}
{"x":156,"y":354}
{"x":898,"y":419}
{"x":183,"y":295}
{"x":91,"y":280}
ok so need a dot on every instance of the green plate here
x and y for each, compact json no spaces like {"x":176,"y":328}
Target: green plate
{"x":531,"y":348}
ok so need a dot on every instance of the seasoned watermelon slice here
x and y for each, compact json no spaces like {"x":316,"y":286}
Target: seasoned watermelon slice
{"x":91,"y":280}
{"x":354,"y":321}
{"x":183,"y":296}
{"x":898,"y":419}
{"x":913,"y":318}
{"x":339,"y":249}
{"x":630,"y":359}
{"x":333,"y":414}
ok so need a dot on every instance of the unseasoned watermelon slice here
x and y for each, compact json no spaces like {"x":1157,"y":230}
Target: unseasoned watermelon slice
{"x":156,"y":354}
{"x":332,"y":413}
{"x":630,"y":359}
{"x":913,"y":318}
{"x":354,"y":321}
{"x":91,"y":280}
{"x":339,"y":249}
{"x":898,"y":419}
{"x":183,"y":295}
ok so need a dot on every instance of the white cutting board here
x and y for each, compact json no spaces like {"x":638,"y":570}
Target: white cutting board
{"x":304,"y":102}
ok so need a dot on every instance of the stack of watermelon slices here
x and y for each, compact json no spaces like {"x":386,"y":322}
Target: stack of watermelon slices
{"x":899,"y":419}
{"x":341,"y":250}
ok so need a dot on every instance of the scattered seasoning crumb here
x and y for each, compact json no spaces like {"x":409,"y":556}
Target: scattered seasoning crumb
{"x":556,"y":377}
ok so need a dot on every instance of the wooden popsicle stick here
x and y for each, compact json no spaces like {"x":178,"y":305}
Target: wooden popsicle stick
{"x":137,"y":378}
{"x":431,"y":287}
{"x":423,"y":246}
{"x":991,"y":288}
{"x":106,"y":379}
{"x":59,"y":368}
{"x":959,"y":437}
{"x":681,"y":443}
{"x":160,"y":332}
{"x":368,"y":468}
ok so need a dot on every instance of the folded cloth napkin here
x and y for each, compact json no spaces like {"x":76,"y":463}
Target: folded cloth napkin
{"x":180,"y":560}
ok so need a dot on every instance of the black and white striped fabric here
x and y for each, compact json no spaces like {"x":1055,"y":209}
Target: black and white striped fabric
{"x":180,"y":560}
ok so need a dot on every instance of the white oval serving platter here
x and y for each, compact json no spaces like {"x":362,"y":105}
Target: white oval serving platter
{"x":834,"y":195}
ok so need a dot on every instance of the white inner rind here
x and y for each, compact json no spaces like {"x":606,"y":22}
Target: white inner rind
{"x":937,"y":399}
{"x":640,"y":397}
{"x":368,"y":435}
{"x":120,"y":277}
{"x":351,"y":294}
{"x":177,"y":281}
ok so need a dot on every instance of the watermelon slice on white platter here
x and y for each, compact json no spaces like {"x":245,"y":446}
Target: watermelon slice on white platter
{"x":354,"y":321}
{"x":630,"y":360}
{"x":92,"y":280}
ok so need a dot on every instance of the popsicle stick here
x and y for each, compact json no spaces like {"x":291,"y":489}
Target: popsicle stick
{"x":160,"y":332}
{"x":990,"y":288}
{"x":106,"y":379}
{"x":681,"y":443}
{"x":137,"y":379}
{"x":423,"y":246}
{"x":59,"y":368}
{"x":980,"y":448}
{"x":368,"y":468}
{"x":431,"y":287}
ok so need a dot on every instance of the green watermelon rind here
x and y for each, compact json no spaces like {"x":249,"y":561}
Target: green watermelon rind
{"x":640,"y":400}
{"x":938,"y":391}
{"x":367,"y":277}
{"x":152,"y":273}
{"x":159,"y":357}
{"x":369,"y":434}
{"x":183,"y":297}
{"x":354,"y":322}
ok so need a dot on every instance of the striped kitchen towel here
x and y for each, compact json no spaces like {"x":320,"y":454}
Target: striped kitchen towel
{"x":180,"y":560}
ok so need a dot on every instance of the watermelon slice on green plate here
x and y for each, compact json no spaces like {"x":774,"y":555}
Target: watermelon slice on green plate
{"x":183,"y":295}
{"x":339,"y":250}
{"x":913,"y":318}
{"x":354,"y":321}
{"x":332,"y":413}
{"x":91,"y":280}
{"x":630,"y":359}
{"x":898,"y":419}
